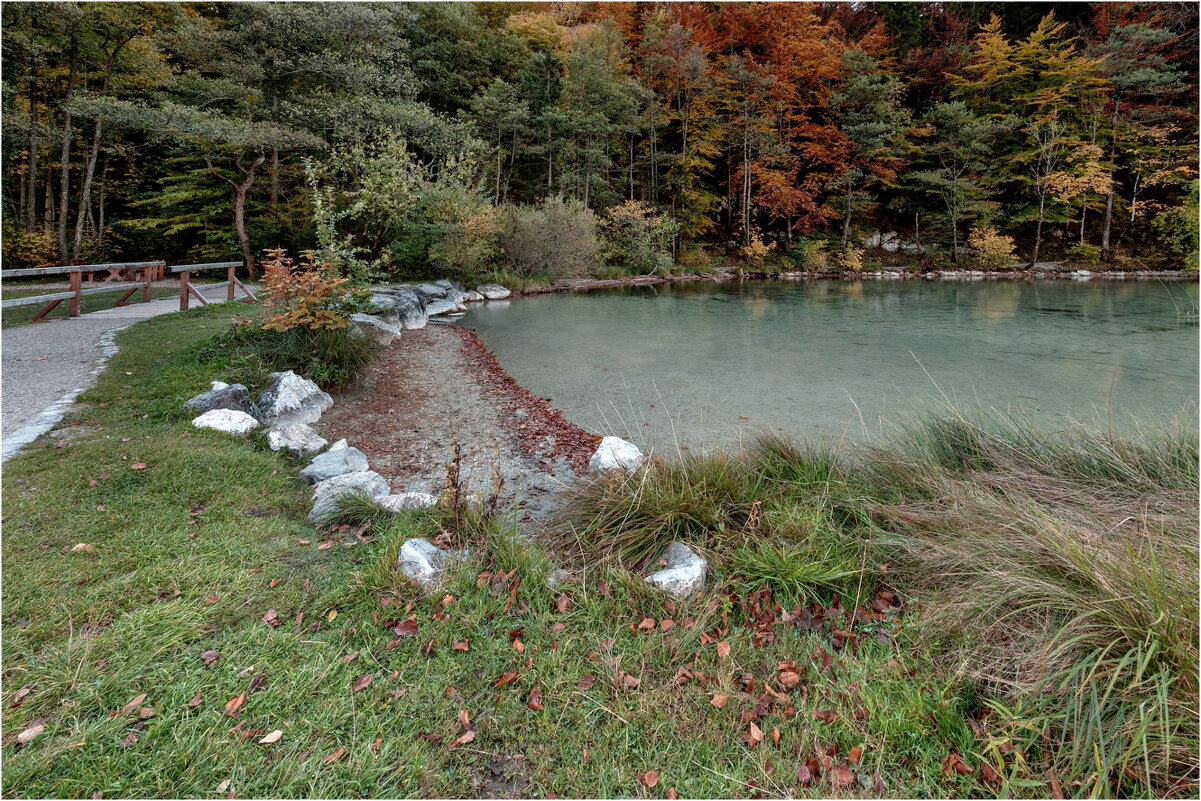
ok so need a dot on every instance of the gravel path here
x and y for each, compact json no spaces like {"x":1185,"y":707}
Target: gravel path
{"x":44,"y":366}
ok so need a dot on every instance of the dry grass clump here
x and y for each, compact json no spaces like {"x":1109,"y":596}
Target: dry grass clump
{"x":1066,"y":567}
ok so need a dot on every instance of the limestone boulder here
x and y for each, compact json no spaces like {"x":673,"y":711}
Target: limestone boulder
{"x":299,"y":438}
{"x":424,"y":562}
{"x":404,"y":501}
{"x":332,"y":463}
{"x":431,"y":291}
{"x":493,"y":291}
{"x":684,"y":574}
{"x":381,"y":302}
{"x":473,"y":296}
{"x":290,"y":399}
{"x":443,"y":307}
{"x":231,"y":421}
{"x":225,"y":396}
{"x":374,"y":328}
{"x":615,"y":453}
{"x":365,"y":482}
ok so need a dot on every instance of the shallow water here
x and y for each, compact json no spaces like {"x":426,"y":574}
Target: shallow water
{"x":710,"y":364}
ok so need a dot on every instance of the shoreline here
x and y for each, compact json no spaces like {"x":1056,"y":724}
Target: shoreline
{"x":734,"y":274}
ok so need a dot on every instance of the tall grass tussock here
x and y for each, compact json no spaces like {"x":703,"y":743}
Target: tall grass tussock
{"x":1055,"y":571}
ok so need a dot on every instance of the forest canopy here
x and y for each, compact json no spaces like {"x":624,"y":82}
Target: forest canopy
{"x":442,"y":138}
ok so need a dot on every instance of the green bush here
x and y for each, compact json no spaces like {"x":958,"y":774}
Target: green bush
{"x":556,"y":239}
{"x":637,"y":236}
{"x":1084,"y":254}
{"x":332,"y":357}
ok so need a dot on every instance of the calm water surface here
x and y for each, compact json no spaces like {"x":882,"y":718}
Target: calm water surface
{"x":705,"y":364}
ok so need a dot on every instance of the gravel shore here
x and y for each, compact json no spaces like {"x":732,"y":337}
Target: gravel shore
{"x":439,"y":386}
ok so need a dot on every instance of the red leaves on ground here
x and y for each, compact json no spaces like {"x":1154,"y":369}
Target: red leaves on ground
{"x":195,"y":702}
{"x":826,"y":715}
{"x":989,"y":773}
{"x":234,"y":704}
{"x":841,"y":776}
{"x":535,"y":700}
{"x":333,"y":756}
{"x":955,"y":763}
{"x":650,"y":778}
{"x":647,"y":624}
{"x":406,"y":628}
{"x":723,"y":649}
{"x":271,"y":618}
{"x":364,"y":682}
{"x":586,"y":681}
{"x":562,"y":602}
{"x":719,"y":700}
{"x":753,"y":736}
{"x":210,"y":657}
{"x":855,"y":755}
{"x":508,"y":676}
{"x":462,"y":645}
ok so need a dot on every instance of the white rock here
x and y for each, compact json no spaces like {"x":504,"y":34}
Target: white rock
{"x":443,"y":307}
{"x":339,"y":445}
{"x":406,"y":500}
{"x":493,"y":291}
{"x":558,"y":578}
{"x":292,"y":399}
{"x":374,"y":328}
{"x":367,"y":482}
{"x":219,"y":385}
{"x":684,"y":575}
{"x":473,"y":296}
{"x":300,"y":438}
{"x":326,"y":465}
{"x":424,"y":561}
{"x":231,"y":421}
{"x":615,"y":453}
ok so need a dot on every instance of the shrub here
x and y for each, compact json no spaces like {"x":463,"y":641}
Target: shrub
{"x":809,"y":254}
{"x":332,"y":357}
{"x":555,"y":239}
{"x":29,"y":249}
{"x":637,"y":236}
{"x":1084,"y":254}
{"x":693,"y":255}
{"x":850,"y":259}
{"x":468,"y":247}
{"x":309,"y":295}
{"x":993,"y":250}
{"x":757,"y":251}
{"x":1179,"y":230}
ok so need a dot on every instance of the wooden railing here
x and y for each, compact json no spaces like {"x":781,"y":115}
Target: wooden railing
{"x":187,"y":288}
{"x":143,"y":272}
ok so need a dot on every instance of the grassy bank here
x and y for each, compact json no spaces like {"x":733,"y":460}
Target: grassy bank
{"x":153,"y":574}
{"x":1052,"y":575}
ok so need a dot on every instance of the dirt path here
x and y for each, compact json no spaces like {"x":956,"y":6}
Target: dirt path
{"x":438,"y":386}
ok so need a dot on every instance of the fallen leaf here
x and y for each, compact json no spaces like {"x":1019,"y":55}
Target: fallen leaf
{"x":789,"y":679}
{"x":83,"y":547}
{"x":223,"y":786}
{"x":723,"y":649}
{"x":462,"y":739}
{"x":508,"y":676}
{"x":363,"y":681}
{"x":275,"y":582}
{"x":325,"y":546}
{"x":146,"y":713}
{"x":586,"y":681}
{"x":519,"y":646}
{"x":462,"y":645}
{"x":753,"y":736}
{"x":775,"y":735}
{"x":246,"y":673}
{"x":211,"y":599}
{"x":954,"y":762}
{"x":406,"y":628}
{"x":134,"y":704}
{"x":273,"y":737}
{"x":650,"y":778}
{"x":647,"y":624}
{"x":719,"y":699}
{"x":562,"y":602}
{"x":631,"y":681}
{"x":855,"y":755}
{"x":20,"y":695}
{"x":671,"y":793}
{"x":346,"y":660}
{"x":334,"y":755}
{"x":464,"y":719}
{"x":271,"y":617}
{"x":989,"y":773}
{"x":535,"y":700}
{"x":210,"y":657}
{"x":333,"y":613}
{"x":234,"y":704}
{"x":138,"y":466}
{"x":840,"y":776}
{"x":195,"y":702}
{"x":31,"y":731}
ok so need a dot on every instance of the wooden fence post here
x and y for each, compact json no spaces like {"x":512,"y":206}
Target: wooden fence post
{"x":183,"y":290}
{"x":76,"y":287}
{"x":149,"y":276}
{"x":229,"y":276}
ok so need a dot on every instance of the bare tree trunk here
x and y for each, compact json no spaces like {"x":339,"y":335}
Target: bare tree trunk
{"x":496,"y":202}
{"x":240,"y":189}
{"x":846,"y":220}
{"x":1038,"y":230}
{"x":631,"y":166}
{"x":98,"y":232}
{"x":85,"y":194}
{"x":64,"y":182}
{"x":31,"y":211}
{"x":48,"y":214}
{"x":1107,"y":225}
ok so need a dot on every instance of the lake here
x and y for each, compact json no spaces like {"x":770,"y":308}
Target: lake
{"x":704,"y":364}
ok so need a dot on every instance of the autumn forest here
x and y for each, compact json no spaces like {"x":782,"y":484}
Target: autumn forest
{"x":407,"y":138}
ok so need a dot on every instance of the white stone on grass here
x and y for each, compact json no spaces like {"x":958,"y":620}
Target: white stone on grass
{"x":404,"y":501}
{"x":615,"y":453}
{"x":492,"y":291}
{"x":300,"y":438}
{"x":223,"y":397}
{"x":424,"y":561}
{"x":231,"y":421}
{"x":326,"y":465}
{"x":366,"y":482}
{"x":684,"y":575}
{"x":374,"y":328}
{"x":290,"y":399}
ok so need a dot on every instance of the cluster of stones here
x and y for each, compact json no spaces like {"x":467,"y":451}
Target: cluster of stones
{"x":288,"y":407}
{"x":399,"y":307}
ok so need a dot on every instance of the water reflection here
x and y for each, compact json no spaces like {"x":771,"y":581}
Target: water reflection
{"x":706,"y":364}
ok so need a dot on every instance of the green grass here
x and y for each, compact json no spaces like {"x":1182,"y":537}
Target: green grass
{"x":23,"y":315}
{"x":185,"y":553}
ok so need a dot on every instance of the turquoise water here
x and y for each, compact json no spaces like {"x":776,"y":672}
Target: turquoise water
{"x":710,"y":364}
